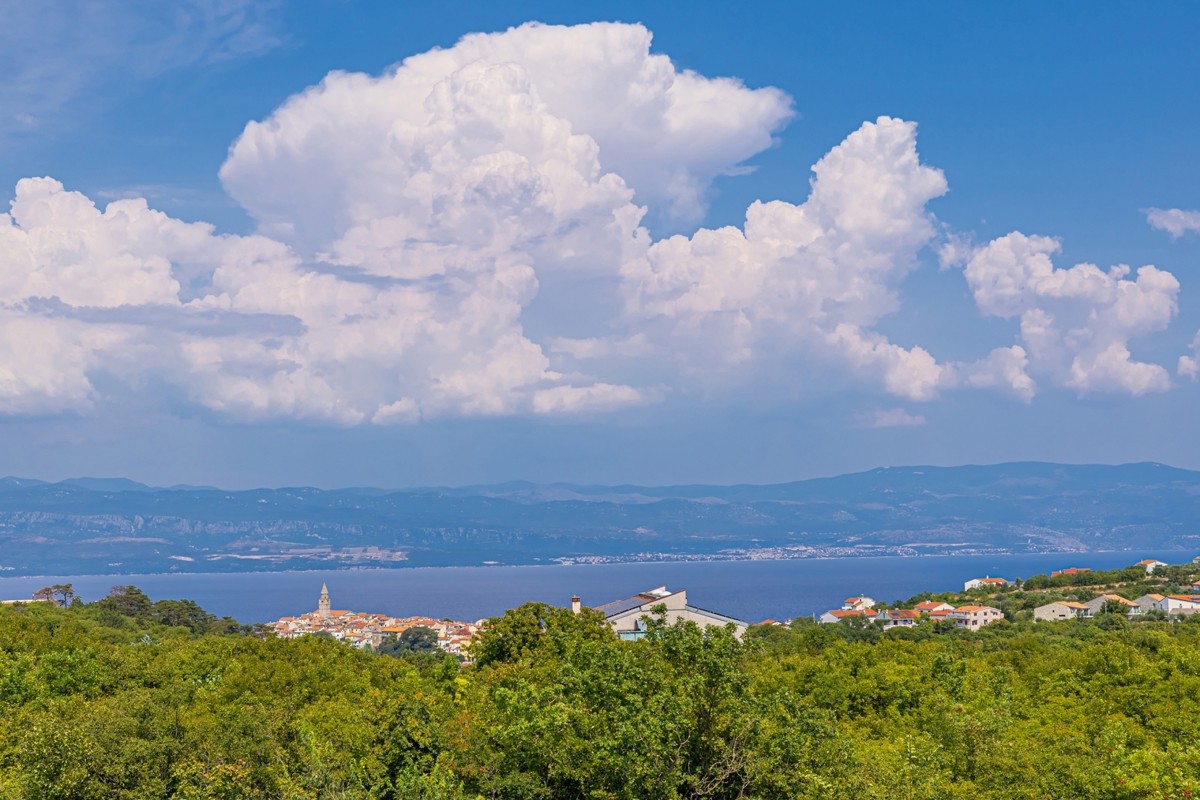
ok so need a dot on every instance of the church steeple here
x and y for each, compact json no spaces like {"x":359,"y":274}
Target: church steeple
{"x":323,"y":603}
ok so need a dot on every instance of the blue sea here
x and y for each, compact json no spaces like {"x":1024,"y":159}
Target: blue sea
{"x":748,"y":590}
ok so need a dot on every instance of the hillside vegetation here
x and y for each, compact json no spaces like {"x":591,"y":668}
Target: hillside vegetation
{"x":1018,"y":599}
{"x":121,"y":699}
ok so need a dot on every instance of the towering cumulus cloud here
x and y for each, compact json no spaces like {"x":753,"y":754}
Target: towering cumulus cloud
{"x":404,"y":221}
{"x":816,"y":276}
{"x":1076,"y":323}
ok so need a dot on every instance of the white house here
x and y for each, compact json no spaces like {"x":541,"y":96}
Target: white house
{"x":988,"y":583}
{"x":837,"y":615}
{"x":1053,"y":612}
{"x":1150,"y":564}
{"x":625,"y":616}
{"x":933,"y":607}
{"x":1180,"y":604}
{"x":975,"y":617}
{"x":899,"y":617}
{"x":1172,"y":604}
{"x":861,"y":603}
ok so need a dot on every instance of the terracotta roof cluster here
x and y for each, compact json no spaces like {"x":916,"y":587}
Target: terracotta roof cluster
{"x":362,"y":629}
{"x":965,"y":616}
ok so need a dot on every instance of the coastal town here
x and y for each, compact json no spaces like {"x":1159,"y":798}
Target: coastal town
{"x":370,"y":630}
{"x":627,"y":616}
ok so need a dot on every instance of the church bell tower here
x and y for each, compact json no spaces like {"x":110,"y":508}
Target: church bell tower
{"x":323,"y":603}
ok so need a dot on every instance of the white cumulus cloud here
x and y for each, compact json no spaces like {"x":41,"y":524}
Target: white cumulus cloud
{"x":77,"y":285}
{"x":511,"y":134}
{"x":812,"y":278}
{"x":1174,"y":221}
{"x":1189,"y":366}
{"x":407,"y":222}
{"x":404,"y":220}
{"x":1076,"y":323}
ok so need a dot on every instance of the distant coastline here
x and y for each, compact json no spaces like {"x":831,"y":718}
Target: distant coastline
{"x":99,"y":526}
{"x":636,"y":558}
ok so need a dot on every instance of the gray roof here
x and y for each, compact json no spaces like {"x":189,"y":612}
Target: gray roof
{"x":651,"y":597}
{"x":621,"y":606}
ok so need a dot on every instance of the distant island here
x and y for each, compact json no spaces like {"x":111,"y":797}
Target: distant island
{"x":118,"y":526}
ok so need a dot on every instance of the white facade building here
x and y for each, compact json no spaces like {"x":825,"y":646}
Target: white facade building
{"x":625,"y":616}
{"x":1055,"y":612}
{"x":989,"y":582}
{"x":975,"y":617}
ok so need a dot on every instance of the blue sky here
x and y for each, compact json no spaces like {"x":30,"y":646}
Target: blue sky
{"x":326,"y":333}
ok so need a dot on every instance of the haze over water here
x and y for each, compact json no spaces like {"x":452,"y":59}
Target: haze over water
{"x":749,"y":590}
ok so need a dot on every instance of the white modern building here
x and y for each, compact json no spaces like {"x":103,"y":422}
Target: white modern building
{"x":860,"y":603}
{"x":626,"y":616}
{"x":1172,"y":603}
{"x":1180,"y":604}
{"x":1055,"y":612}
{"x":989,"y":582}
{"x":975,"y":617}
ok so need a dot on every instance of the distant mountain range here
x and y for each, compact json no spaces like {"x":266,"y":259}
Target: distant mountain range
{"x":114,"y":525}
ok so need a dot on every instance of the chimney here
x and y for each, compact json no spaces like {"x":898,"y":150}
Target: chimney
{"x":575,"y":605}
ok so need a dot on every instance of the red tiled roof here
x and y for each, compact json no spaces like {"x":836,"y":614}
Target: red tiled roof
{"x":904,"y":613}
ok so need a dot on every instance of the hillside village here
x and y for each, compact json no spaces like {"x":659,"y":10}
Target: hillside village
{"x":1149,"y":589}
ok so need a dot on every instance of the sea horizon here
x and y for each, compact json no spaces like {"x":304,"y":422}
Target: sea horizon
{"x":751,"y":590}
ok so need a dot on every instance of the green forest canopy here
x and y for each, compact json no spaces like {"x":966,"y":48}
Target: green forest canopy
{"x":129,"y":698}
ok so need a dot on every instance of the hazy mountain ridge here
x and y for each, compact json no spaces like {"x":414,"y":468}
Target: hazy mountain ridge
{"x":90,"y":525}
